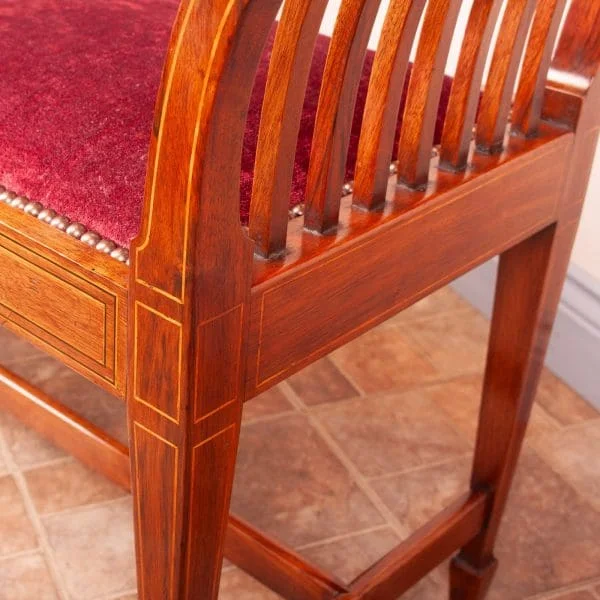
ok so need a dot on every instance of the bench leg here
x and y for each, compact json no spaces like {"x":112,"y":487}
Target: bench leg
{"x":184,"y":410}
{"x":181,"y":503}
{"x":530,"y":280}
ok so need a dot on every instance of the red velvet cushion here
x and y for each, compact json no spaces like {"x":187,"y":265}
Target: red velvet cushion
{"x":79,"y":81}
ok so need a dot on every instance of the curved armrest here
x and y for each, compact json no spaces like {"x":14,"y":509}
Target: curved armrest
{"x":191,"y":233}
{"x":576,"y":64}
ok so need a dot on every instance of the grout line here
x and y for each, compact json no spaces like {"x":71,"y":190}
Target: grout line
{"x":355,"y":474}
{"x":396,"y":390}
{"x":36,"y":522}
{"x":267,"y":418}
{"x":82,"y":508}
{"x":361,"y":392}
{"x":53,"y":462}
{"x":22,"y":553}
{"x":572,"y":426}
{"x":118,"y":595}
{"x":579,"y":586}
{"x":341,"y":537}
{"x":575,"y":426}
{"x":425,"y":467}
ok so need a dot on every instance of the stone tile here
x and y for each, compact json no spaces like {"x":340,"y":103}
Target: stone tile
{"x":575,"y":454}
{"x":349,"y":557}
{"x":392,"y":432}
{"x":16,"y":531}
{"x":289,"y":484}
{"x":460,"y":400}
{"x":14,"y":349}
{"x":384,"y":359}
{"x":549,"y":535}
{"x":3,"y":467}
{"x":93,"y":549}
{"x":269,"y":403}
{"x":27,"y":448}
{"x":322,"y":382}
{"x":443,"y":301}
{"x":455,"y":343}
{"x":561,"y":402}
{"x":88,"y":400}
{"x":579,"y":595}
{"x":237,"y":585}
{"x":549,"y":538}
{"x":417,"y":496}
{"x":26,"y":577}
{"x":68,"y":485}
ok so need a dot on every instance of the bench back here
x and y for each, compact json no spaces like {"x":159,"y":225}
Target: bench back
{"x":192,"y":197}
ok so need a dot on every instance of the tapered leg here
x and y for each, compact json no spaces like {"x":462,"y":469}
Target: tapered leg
{"x":184,"y":413}
{"x":181,"y":512}
{"x":530,"y":280}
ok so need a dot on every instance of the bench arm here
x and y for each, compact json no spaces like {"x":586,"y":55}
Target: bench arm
{"x":191,"y":233}
{"x":573,"y":76}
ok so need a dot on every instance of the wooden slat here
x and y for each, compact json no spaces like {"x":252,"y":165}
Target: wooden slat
{"x":422,"y":103}
{"x":465,"y":94}
{"x":280,"y":569}
{"x":335,"y":113}
{"x":423,"y":551}
{"x":497,"y":96}
{"x":375,"y":147}
{"x":527,"y":107}
{"x":64,"y":428}
{"x":280,"y":122}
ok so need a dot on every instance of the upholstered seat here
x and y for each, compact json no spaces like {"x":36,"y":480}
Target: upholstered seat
{"x":80,"y":80}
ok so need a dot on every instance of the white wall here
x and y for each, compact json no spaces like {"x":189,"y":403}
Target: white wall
{"x":586,"y":254}
{"x":587,"y":249}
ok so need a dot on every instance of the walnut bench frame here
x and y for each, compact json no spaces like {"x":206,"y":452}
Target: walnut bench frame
{"x":209,"y":314}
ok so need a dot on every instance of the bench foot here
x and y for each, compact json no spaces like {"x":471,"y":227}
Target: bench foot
{"x":468,"y":582}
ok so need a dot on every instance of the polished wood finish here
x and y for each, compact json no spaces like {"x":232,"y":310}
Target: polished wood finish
{"x":464,"y":98}
{"x":280,"y":123}
{"x":375,"y":147}
{"x":282,"y":338}
{"x":335,"y":113}
{"x":189,"y":302}
{"x":422,"y":102}
{"x":497,"y":96}
{"x":527,"y":106}
{"x":64,"y":297}
{"x":210,"y":313}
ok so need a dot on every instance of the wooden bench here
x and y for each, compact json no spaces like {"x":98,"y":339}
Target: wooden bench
{"x":201,"y":314}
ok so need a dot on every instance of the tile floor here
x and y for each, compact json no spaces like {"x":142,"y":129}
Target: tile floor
{"x":341,"y":461}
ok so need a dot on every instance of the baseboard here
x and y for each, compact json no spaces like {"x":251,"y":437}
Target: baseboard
{"x":574,"y":352}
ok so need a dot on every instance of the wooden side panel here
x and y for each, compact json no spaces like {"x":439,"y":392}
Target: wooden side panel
{"x":53,"y":305}
{"x":60,"y":295}
{"x":324,"y":304}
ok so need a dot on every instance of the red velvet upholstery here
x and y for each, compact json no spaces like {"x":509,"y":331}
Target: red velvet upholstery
{"x":80,"y":79}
